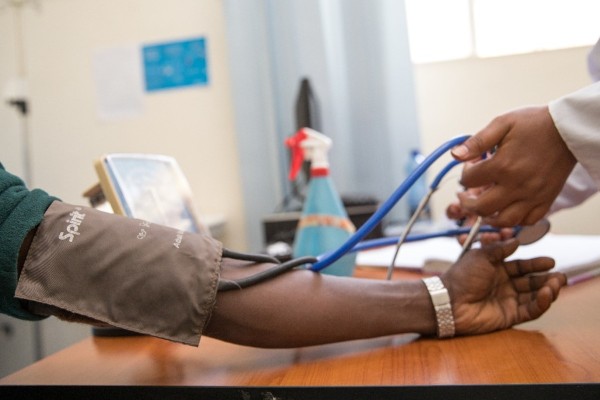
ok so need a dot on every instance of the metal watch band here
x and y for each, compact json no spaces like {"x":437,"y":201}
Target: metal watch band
{"x":442,"y":305}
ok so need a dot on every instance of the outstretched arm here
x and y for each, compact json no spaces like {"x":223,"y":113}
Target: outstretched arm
{"x":88,"y":266}
{"x":303,"y":308}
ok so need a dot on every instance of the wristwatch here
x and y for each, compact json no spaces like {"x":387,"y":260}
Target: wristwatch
{"x":442,"y":305}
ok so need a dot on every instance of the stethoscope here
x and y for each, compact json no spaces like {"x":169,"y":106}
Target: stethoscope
{"x":525,"y":234}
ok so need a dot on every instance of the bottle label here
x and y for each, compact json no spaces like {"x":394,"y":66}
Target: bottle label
{"x":321,"y":171}
{"x":327,"y":220}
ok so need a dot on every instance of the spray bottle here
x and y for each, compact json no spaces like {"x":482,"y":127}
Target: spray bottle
{"x":324,"y":224}
{"x":419,"y":189}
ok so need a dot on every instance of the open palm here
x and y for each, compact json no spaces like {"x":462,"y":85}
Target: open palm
{"x":489,"y":293}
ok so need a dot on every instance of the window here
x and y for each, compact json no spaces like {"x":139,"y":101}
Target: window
{"x":452,"y":29}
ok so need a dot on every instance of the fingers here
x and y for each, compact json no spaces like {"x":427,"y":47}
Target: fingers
{"x":536,"y":289}
{"x":489,"y":201}
{"x":543,"y":291}
{"x":516,"y":213}
{"x":464,"y":218}
{"x":535,"y":215}
{"x":498,"y":251}
{"x":502,"y":209}
{"x":483,"y":141}
{"x":534,"y":308}
{"x":482,"y":173}
{"x":485,"y":204}
{"x":489,"y":238}
{"x":455,"y":212}
{"x":519,"y":268}
{"x":506,"y":233}
{"x":531,"y":283}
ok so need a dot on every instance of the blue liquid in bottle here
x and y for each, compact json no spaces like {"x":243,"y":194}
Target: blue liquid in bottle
{"x":324,"y":226}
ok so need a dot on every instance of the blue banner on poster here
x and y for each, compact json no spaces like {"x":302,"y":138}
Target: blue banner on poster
{"x":175,"y":64}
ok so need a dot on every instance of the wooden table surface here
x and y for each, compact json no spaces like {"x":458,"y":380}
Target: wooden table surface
{"x":563,"y":346}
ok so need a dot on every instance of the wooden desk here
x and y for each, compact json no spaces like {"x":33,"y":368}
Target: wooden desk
{"x":563,"y":346}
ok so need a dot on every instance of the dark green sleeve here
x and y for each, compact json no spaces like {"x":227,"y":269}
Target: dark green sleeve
{"x":21,"y":210}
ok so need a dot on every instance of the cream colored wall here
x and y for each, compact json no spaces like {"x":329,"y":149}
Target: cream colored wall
{"x":461,"y":97}
{"x":195,"y":125}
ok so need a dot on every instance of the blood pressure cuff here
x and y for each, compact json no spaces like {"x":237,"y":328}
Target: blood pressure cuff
{"x":90,"y":266}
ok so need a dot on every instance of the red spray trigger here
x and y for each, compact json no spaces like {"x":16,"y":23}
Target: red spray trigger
{"x":295,"y":145}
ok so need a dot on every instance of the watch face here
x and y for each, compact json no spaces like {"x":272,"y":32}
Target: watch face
{"x":152,"y":188}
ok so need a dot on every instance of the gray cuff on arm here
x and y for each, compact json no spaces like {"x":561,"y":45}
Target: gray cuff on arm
{"x":122,"y":272}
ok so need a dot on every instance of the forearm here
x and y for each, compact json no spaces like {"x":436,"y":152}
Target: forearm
{"x":302,"y":308}
{"x":109,"y":273}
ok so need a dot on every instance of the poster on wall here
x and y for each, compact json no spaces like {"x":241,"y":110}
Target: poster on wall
{"x":124,"y":73}
{"x":118,"y":82}
{"x":175,"y":64}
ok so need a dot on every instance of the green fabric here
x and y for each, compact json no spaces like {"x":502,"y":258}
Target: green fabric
{"x":20,"y":211}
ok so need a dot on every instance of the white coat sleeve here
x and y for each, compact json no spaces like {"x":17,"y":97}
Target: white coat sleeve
{"x":578,"y":188}
{"x":577,"y":118}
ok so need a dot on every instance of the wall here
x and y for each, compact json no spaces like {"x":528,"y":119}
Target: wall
{"x":194,"y":125}
{"x":461,"y":97}
{"x":355,"y":55}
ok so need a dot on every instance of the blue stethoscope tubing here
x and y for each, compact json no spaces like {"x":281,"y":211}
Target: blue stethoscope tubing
{"x":354,"y":242}
{"x":388,"y":241}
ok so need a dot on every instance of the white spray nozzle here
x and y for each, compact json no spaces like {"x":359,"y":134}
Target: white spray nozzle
{"x":316,"y":146}
{"x":310,"y":145}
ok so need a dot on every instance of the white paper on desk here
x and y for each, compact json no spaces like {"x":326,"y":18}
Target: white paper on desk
{"x":412,"y":255}
{"x":572,"y":253}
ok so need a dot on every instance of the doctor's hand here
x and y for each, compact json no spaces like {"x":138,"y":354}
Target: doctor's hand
{"x":466,"y":219}
{"x":489,"y":293}
{"x":524,"y":175}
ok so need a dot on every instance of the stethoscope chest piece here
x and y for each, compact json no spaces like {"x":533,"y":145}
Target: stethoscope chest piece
{"x":532,"y":233}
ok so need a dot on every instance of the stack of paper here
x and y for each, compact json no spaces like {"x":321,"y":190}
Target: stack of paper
{"x":578,"y":256}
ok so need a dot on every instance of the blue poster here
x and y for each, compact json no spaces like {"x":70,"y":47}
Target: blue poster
{"x":175,"y":64}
